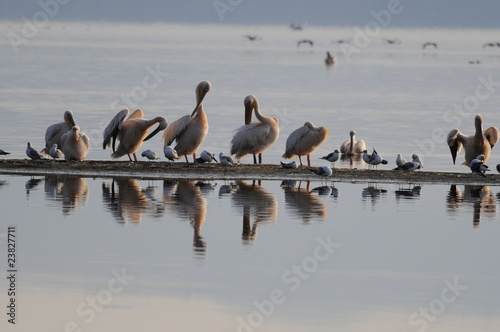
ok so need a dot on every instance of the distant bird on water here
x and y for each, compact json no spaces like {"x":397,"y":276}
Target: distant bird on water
{"x":54,"y":132}
{"x":55,"y":152}
{"x":332,"y":157}
{"x":252,"y":37}
{"x":305,"y":41}
{"x":295,"y":27}
{"x":430,"y":44}
{"x":477,"y":165}
{"x":322,"y":171}
{"x":496,"y":44}
{"x":329,"y":60}
{"x":254,"y":137}
{"x":32,"y":153}
{"x":474,"y":145}
{"x":131,"y":131}
{"x":150,"y":154}
{"x":304,"y":140}
{"x":3,"y":153}
{"x":352,"y":147}
{"x":391,"y":41}
{"x":190,"y":130}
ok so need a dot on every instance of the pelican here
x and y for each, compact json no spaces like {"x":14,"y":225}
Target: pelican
{"x":293,"y":164}
{"x":206,"y":157}
{"x":304,"y":140}
{"x":254,"y":137}
{"x":32,"y":153}
{"x":322,"y":171}
{"x":479,"y":143}
{"x":131,"y":131}
{"x":75,"y":144}
{"x":410,"y":166}
{"x":477,"y":165}
{"x":3,"y":153}
{"x":190,"y":130}
{"x":332,"y":157}
{"x":55,"y":152}
{"x":329,"y":60}
{"x":151,"y":155}
{"x":352,"y":147}
{"x":226,"y":160}
{"x":54,"y":132}
{"x":400,"y":160}
{"x":170,"y":153}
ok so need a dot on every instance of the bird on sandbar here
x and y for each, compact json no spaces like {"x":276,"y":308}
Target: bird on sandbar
{"x":131,"y":131}
{"x":477,"y":165}
{"x":322,"y":171}
{"x":75,"y":144}
{"x":373,"y":159}
{"x":3,"y":153}
{"x":410,"y":166}
{"x":332,"y":157}
{"x":474,"y":145}
{"x":32,"y":153}
{"x":292,"y":164}
{"x":190,"y":130}
{"x":254,"y":137}
{"x":54,"y":132}
{"x":226,"y":160}
{"x":400,"y":160}
{"x":304,"y":140}
{"x":150,"y":154}
{"x":170,"y":153}
{"x":206,"y":157}
{"x":55,"y":152}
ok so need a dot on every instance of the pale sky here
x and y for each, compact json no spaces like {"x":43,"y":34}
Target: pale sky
{"x":405,"y":13}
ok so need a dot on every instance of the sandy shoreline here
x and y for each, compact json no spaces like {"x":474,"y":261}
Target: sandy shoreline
{"x":166,"y":170}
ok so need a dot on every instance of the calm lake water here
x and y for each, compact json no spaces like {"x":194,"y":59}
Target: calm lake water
{"x":101,"y":254}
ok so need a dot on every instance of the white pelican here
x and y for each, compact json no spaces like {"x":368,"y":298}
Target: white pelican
{"x":410,"y":166}
{"x":329,"y":60}
{"x":322,"y":171}
{"x":226,"y":160}
{"x":190,"y":130}
{"x":131,"y":132}
{"x":206,"y":157}
{"x":304,"y":140}
{"x":32,"y":153}
{"x":332,"y":157}
{"x":55,"y":152}
{"x":151,"y":155}
{"x":479,"y":143}
{"x":3,"y":153}
{"x":170,"y":153}
{"x":293,"y":164}
{"x":400,"y":160}
{"x":75,"y":144}
{"x":352,"y":147}
{"x":477,"y":165}
{"x":54,"y":132}
{"x":254,"y":137}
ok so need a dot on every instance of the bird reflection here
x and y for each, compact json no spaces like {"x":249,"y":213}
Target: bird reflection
{"x":302,"y":203}
{"x":186,"y":199}
{"x":481,"y":198}
{"x":3,"y":183}
{"x":129,"y":203}
{"x":68,"y":190}
{"x":31,"y":184}
{"x":257,"y":203}
{"x":373,"y":193}
{"x":412,"y":192}
{"x":354,"y":161}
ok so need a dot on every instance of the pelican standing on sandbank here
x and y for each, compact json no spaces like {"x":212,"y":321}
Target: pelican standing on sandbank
{"x":474,"y":145}
{"x":352,"y":147}
{"x":304,"y":140}
{"x":190,"y":130}
{"x":254,"y":137}
{"x":131,"y":131}
{"x":54,"y":132}
{"x":75,"y":144}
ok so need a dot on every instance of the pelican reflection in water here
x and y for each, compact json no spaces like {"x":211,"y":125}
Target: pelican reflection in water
{"x":257,"y":204}
{"x":70,"y":191}
{"x":125,"y":199}
{"x":480,"y":197}
{"x":301,"y":203}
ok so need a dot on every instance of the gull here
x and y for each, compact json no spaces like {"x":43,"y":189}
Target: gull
{"x":55,"y":152}
{"x":352,"y":147}
{"x":400,"y":160}
{"x":32,"y":153}
{"x":392,"y":41}
{"x":498,"y":168}
{"x":373,"y":159}
{"x":252,"y":37}
{"x":477,"y":166}
{"x":322,"y":171}
{"x":150,"y":154}
{"x":497,"y":44}
{"x":226,"y":160}
{"x":332,"y":157}
{"x":3,"y":153}
{"x":292,"y":164}
{"x":205,"y":157}
{"x":474,"y":145}
{"x":410,"y":166}
{"x":170,"y":153}
{"x":304,"y":140}
{"x":329,"y":60}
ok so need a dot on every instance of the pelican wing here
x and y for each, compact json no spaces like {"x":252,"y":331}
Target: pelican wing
{"x":491,"y":135}
{"x":113,"y":128}
{"x":455,"y":142}
{"x":175,"y":129}
{"x":250,"y":138}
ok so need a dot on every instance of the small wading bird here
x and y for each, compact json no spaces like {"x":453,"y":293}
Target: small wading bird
{"x":329,"y":60}
{"x":190,"y":130}
{"x":32,"y":153}
{"x":322,"y":171}
{"x":226,"y":160}
{"x":170,"y":153}
{"x":131,"y":131}
{"x":54,"y":132}
{"x":352,"y":147}
{"x":477,"y":165}
{"x":332,"y":157}
{"x":55,"y":152}
{"x":75,"y":144}
{"x":3,"y":153}
{"x":410,"y":166}
{"x":206,"y":157}
{"x":474,"y":145}
{"x":304,"y":140}
{"x":254,"y":137}
{"x":151,"y":155}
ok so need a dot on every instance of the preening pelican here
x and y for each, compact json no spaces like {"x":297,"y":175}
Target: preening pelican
{"x":479,"y":143}
{"x":131,"y":132}
{"x":352,"y":147}
{"x":75,"y":144}
{"x":190,"y":130}
{"x":54,"y":132}
{"x":304,"y":140}
{"x":254,"y":137}
{"x":32,"y":153}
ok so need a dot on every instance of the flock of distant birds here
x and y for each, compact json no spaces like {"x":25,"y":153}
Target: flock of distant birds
{"x":66,"y":140}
